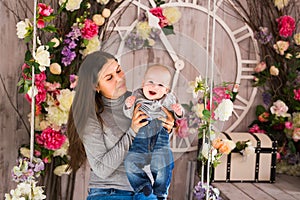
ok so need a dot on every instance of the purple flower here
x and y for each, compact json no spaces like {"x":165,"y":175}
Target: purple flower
{"x":263,"y":35}
{"x":72,"y":45}
{"x":267,"y":98}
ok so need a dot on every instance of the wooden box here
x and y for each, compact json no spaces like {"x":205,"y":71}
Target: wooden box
{"x":257,"y":167}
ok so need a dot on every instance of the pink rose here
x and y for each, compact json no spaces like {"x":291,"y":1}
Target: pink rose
{"x":286,"y":26}
{"x":89,"y":30}
{"x":44,"y":10}
{"x":41,"y":95}
{"x":297,"y":94}
{"x":40,"y":77}
{"x":158,"y":12}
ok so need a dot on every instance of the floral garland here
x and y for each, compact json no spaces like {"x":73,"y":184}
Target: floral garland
{"x":278,"y":74}
{"x":65,"y":36}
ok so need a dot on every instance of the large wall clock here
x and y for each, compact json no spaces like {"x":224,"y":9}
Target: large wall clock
{"x":236,"y":53}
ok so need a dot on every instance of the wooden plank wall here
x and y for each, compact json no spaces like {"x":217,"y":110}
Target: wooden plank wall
{"x":13,"y":133}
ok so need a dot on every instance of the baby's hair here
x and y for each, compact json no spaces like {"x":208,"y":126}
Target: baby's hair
{"x":162,"y":68}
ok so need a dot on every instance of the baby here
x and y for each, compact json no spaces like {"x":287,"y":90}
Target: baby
{"x":151,"y":145}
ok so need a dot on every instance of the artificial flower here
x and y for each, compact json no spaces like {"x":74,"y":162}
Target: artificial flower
{"x":65,"y":99}
{"x":55,"y":41}
{"x":260,"y":67}
{"x":44,"y":10}
{"x":89,"y":30}
{"x":103,"y":2}
{"x":182,"y":129}
{"x":279,"y":108}
{"x":297,"y":38}
{"x":280,"y":4}
{"x":55,"y":68}
{"x":172,"y":14}
{"x":198,"y":109}
{"x":98,"y":19}
{"x":23,"y":28}
{"x":296,"y":94}
{"x":227,"y":146}
{"x":93,"y":45}
{"x":274,"y":71}
{"x":224,"y":110}
{"x":296,"y":134}
{"x":106,"y":13}
{"x":286,"y":25}
{"x":281,"y":46}
{"x":158,"y":12}
{"x":50,"y":139}
{"x":143,"y":29}
{"x":71,"y":4}
{"x":42,"y":57}
{"x":62,"y":169}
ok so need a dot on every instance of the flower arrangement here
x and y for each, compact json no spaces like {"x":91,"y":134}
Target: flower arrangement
{"x":277,"y":75}
{"x":25,"y":173}
{"x":200,"y":191}
{"x":147,"y":30}
{"x":64,"y":36}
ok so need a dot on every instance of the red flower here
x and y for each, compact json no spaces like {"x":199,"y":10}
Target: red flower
{"x":50,"y":139}
{"x":89,"y":30}
{"x":297,"y":94}
{"x":158,"y":12}
{"x":264,"y":117}
{"x":44,"y":10}
{"x":286,"y":26}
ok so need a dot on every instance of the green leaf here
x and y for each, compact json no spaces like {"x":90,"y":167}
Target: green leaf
{"x":292,"y":146}
{"x":168,"y":30}
{"x":28,"y":56}
{"x":50,"y":28}
{"x":259,"y":110}
{"x":21,"y":82}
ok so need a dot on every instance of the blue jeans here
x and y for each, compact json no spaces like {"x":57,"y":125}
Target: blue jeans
{"x":150,"y":146}
{"x":114,"y":194}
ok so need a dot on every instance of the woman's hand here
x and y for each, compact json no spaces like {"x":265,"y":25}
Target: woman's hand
{"x":168,"y":122}
{"x":137,"y":117}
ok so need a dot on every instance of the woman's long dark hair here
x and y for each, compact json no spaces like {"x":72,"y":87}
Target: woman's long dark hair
{"x":87,"y":104}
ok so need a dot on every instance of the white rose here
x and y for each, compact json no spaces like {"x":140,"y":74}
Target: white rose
{"x":71,"y":4}
{"x":224,"y":110}
{"x":65,"y":99}
{"x":172,"y":14}
{"x":22,"y":28}
{"x":42,"y":56}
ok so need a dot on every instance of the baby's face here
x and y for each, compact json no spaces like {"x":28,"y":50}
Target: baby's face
{"x":156,"y":85}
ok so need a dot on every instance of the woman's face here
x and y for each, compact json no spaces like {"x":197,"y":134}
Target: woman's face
{"x":111,"y":80}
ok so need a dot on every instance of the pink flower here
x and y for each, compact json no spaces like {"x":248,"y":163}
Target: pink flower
{"x":50,"y":139}
{"x":37,"y":153}
{"x":260,"y":67}
{"x":256,"y":129}
{"x":73,"y":80}
{"x":51,"y":87}
{"x":296,"y":134}
{"x":288,"y":125}
{"x":89,"y":30}
{"x":286,"y":26}
{"x":297,"y":94}
{"x":44,"y":10}
{"x":158,"y":12}
{"x":279,"y":108}
{"x":40,"y":23}
{"x":40,"y":77}
{"x":41,"y":96}
{"x":182,"y":129}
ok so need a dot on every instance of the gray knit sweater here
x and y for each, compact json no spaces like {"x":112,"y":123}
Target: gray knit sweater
{"x":107,"y":148}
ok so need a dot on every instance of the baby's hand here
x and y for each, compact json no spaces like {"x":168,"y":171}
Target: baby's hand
{"x":130,"y":101}
{"x":177,"y":109}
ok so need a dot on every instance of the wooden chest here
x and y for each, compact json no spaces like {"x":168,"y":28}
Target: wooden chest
{"x":257,"y":167}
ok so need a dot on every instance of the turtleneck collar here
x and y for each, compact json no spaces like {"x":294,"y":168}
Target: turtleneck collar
{"x":114,"y":102}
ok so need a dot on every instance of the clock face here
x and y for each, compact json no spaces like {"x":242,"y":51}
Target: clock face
{"x":235,"y":53}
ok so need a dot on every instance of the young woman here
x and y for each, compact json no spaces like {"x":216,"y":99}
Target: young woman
{"x":99,"y":131}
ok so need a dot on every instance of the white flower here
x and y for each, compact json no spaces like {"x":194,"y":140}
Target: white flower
{"x":172,"y":14}
{"x":56,"y":41}
{"x":143,"y":29}
{"x":98,"y":19}
{"x":198,"y":109}
{"x":224,"y":110}
{"x":42,"y":57}
{"x":35,"y":91}
{"x":62,"y":151}
{"x":71,"y":4}
{"x":25,"y":152}
{"x":274,"y":71}
{"x":61,"y":170}
{"x":56,"y":116}
{"x":93,"y":45}
{"x":118,"y":1}
{"x":279,"y":108}
{"x":280,"y":4}
{"x":22,"y":28}
{"x":65,"y":99}
{"x":249,"y":150}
